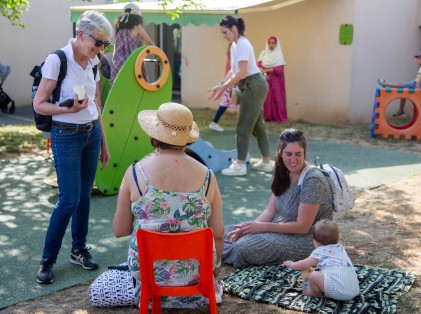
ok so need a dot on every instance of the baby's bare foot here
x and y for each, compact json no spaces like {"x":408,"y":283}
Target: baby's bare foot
{"x":311,"y":293}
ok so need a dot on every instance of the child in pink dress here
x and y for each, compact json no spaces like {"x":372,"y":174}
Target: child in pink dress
{"x":130,"y":35}
{"x":225,"y":100}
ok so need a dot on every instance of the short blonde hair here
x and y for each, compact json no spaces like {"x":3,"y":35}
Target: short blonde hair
{"x":326,"y":232}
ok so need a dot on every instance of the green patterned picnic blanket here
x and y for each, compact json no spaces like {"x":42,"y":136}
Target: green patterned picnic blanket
{"x":379,"y":289}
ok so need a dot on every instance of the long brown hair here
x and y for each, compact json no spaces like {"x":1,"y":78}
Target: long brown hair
{"x":132,"y":21}
{"x":281,"y":179}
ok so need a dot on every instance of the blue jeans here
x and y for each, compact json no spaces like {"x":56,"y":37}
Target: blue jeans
{"x":76,"y":156}
{"x":219,"y":113}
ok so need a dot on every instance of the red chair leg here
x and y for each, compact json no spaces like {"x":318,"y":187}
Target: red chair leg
{"x":156,"y":304}
{"x":212,"y":304}
{"x":144,"y":302}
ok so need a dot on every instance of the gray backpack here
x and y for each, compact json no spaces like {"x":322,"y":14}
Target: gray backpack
{"x":343,"y":196}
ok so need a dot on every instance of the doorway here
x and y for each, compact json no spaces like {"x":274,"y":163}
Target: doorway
{"x":168,"y":38}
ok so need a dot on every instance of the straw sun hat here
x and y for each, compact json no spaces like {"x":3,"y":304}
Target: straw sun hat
{"x":172,"y":123}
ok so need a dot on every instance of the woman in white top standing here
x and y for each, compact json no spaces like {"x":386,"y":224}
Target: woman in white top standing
{"x":254,"y":88}
{"x":77,"y":139}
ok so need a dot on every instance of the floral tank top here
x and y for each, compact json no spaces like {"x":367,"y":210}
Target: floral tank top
{"x":165,"y":211}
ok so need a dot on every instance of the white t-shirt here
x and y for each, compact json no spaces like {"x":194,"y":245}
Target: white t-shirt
{"x":332,"y":255}
{"x":75,"y":75}
{"x":242,"y":50}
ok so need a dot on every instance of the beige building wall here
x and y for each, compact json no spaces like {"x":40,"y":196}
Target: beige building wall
{"x":203,"y":64}
{"x":48,"y":28}
{"x":325,"y":81}
{"x":387,"y":35}
{"x":317,"y":70}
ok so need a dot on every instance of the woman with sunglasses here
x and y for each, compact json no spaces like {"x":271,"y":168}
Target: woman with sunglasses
{"x":130,"y":35}
{"x":283,"y":230}
{"x":77,"y":139}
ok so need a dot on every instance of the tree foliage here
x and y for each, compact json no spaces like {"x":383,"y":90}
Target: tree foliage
{"x":185,"y":5}
{"x":12,"y":9}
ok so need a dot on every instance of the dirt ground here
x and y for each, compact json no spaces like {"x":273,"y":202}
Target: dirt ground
{"x":383,"y":230}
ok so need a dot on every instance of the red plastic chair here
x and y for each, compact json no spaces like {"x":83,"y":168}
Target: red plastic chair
{"x":153,"y":245}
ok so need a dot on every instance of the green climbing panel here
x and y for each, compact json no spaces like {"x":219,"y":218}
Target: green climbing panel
{"x":127,"y":142}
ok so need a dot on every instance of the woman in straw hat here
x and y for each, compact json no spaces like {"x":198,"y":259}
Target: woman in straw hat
{"x":171,"y":192}
{"x":130,"y":35}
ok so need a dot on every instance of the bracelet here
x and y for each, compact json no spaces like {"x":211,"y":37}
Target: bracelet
{"x":218,"y":264}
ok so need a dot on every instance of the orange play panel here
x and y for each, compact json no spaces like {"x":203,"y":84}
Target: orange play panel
{"x":380,"y":125}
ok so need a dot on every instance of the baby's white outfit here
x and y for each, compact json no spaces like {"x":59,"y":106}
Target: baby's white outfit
{"x":340,"y":279}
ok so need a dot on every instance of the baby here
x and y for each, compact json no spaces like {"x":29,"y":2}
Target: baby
{"x":337,"y":279}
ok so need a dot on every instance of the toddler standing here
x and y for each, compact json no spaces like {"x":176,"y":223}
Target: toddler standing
{"x":415,"y":83}
{"x":337,"y":278}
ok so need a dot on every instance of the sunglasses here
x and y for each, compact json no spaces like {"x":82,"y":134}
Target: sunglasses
{"x":291,"y":135}
{"x":99,"y":43}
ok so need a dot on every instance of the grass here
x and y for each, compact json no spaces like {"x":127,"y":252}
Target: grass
{"x":24,"y":139}
{"x":20,"y":139}
{"x":348,"y":216}
{"x":358,"y":134}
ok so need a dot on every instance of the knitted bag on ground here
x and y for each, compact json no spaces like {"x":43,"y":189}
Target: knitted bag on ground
{"x":113,"y":288}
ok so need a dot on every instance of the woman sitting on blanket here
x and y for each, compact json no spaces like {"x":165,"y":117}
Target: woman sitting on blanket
{"x":283,"y":230}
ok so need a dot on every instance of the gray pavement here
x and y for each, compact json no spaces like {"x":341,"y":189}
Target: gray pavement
{"x":22,"y":116}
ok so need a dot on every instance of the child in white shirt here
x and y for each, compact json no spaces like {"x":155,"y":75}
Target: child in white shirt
{"x":337,"y":278}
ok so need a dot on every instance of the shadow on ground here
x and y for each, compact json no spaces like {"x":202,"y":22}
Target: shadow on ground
{"x":26,"y":204}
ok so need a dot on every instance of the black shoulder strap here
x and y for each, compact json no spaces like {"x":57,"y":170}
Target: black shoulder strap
{"x":208,"y":178}
{"x":95,"y":70}
{"x":61,"y":75}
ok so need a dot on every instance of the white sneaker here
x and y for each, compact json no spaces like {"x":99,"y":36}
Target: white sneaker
{"x":235,"y":170}
{"x":216,"y":127}
{"x":261,"y":166}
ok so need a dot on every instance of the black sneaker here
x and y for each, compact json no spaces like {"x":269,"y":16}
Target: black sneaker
{"x":83,"y":258}
{"x":45,"y":272}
